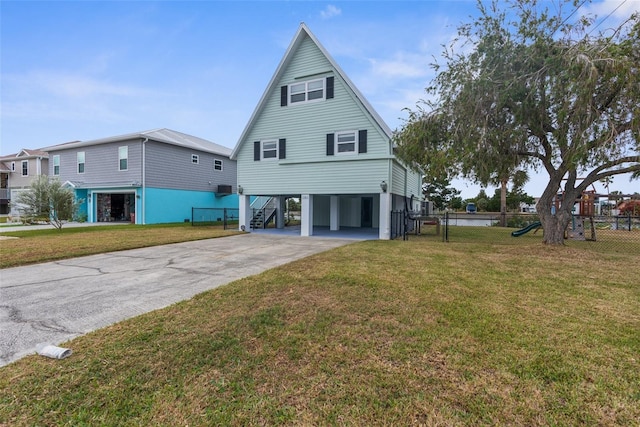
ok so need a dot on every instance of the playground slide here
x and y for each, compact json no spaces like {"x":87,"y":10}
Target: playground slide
{"x":527,"y":229}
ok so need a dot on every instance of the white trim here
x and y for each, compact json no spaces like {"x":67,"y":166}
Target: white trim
{"x":221,"y":162}
{"x":22,"y":168}
{"x":195,"y":159}
{"x":13,"y":166}
{"x":275,"y":149}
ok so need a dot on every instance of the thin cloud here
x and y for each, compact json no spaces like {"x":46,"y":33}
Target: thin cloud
{"x":330,"y":11}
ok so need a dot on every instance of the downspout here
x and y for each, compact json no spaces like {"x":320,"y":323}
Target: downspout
{"x":144,"y":177}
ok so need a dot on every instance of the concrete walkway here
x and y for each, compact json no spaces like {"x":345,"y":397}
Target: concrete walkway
{"x":56,"y":301}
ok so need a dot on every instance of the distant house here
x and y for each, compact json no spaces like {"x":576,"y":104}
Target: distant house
{"x":17,"y":171}
{"x":314,"y":136}
{"x":150,"y":177}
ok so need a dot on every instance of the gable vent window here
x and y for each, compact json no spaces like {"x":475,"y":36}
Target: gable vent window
{"x":195,"y":159}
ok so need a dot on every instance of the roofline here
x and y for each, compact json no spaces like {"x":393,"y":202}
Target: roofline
{"x":136,"y":135}
{"x":279,"y":71}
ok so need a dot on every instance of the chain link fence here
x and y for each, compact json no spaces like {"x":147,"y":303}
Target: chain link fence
{"x":613,"y":232}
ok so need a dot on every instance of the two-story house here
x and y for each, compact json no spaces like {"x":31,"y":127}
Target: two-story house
{"x":150,"y":177}
{"x":313,"y":135}
{"x":17,"y":171}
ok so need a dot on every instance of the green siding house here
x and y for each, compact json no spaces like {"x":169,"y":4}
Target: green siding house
{"x":315,"y":137}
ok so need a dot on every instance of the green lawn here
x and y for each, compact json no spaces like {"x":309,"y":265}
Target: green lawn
{"x":374,"y":333}
{"x":33,"y":246}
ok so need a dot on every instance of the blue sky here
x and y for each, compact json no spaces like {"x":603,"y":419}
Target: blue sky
{"x":80,"y":70}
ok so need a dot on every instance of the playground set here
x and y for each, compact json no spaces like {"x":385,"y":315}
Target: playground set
{"x":576,"y":228}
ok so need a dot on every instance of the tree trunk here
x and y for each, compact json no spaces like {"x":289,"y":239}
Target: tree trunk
{"x":555,"y":220}
{"x":503,"y":203}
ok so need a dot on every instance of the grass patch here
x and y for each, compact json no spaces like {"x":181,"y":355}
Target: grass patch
{"x":374,"y":333}
{"x":35,"y":246}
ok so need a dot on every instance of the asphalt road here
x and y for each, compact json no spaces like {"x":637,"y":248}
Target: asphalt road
{"x":54,"y":302}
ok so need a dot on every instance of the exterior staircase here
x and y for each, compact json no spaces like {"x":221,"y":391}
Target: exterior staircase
{"x":264,"y":210}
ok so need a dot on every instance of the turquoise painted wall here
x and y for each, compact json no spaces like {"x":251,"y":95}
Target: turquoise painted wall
{"x":166,"y":205}
{"x":83,"y":211}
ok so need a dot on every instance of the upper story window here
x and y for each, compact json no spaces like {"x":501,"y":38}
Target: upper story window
{"x":195,"y":159}
{"x":347,"y":142}
{"x":80,"y":159}
{"x":307,"y":91}
{"x":25,"y":168}
{"x":312,"y":90}
{"x":270,"y":149}
{"x":13,"y":166}
{"x":56,"y":165}
{"x":217,"y":165}
{"x":123,"y":158}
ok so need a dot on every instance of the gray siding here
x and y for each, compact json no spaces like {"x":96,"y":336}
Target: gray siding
{"x":101,"y":164}
{"x":16,"y":180}
{"x":166,"y":166}
{"x":170,"y":166}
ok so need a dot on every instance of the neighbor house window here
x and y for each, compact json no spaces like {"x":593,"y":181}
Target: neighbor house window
{"x":56,"y":164}
{"x":217,"y":165}
{"x":123,"y":158}
{"x":25,"y":168}
{"x":195,"y":159}
{"x":312,"y":90}
{"x":270,"y":149}
{"x":80,"y":157}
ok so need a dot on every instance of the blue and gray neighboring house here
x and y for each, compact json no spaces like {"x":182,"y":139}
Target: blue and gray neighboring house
{"x":149,"y":177}
{"x":314,"y":136}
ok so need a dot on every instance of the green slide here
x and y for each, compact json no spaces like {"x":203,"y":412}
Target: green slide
{"x":527,"y":229}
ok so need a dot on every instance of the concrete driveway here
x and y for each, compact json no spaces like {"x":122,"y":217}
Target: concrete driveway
{"x":56,"y":301}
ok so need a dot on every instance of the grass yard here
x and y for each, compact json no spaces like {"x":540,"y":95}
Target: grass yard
{"x":374,"y":333}
{"x":33,"y":246}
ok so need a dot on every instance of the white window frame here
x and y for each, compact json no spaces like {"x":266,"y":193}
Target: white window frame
{"x":217,"y":165}
{"x":195,"y":159}
{"x":24,"y":171}
{"x":81,"y":160}
{"x":274,"y":149}
{"x":306,"y":91}
{"x":338,"y":143}
{"x":123,"y":150}
{"x":56,"y":164}
{"x":13,"y":166}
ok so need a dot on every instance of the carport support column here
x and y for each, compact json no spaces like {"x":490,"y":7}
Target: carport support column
{"x":306,"y":223}
{"x":334,"y":216}
{"x":280,"y":208}
{"x":385,"y":216}
{"x":244,"y":222}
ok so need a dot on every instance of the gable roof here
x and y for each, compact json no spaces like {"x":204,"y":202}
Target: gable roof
{"x":24,"y":154}
{"x":303,"y":31}
{"x":163,"y":135}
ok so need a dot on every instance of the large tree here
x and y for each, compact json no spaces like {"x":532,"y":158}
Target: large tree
{"x":47,"y":200}
{"x":524,"y":87}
